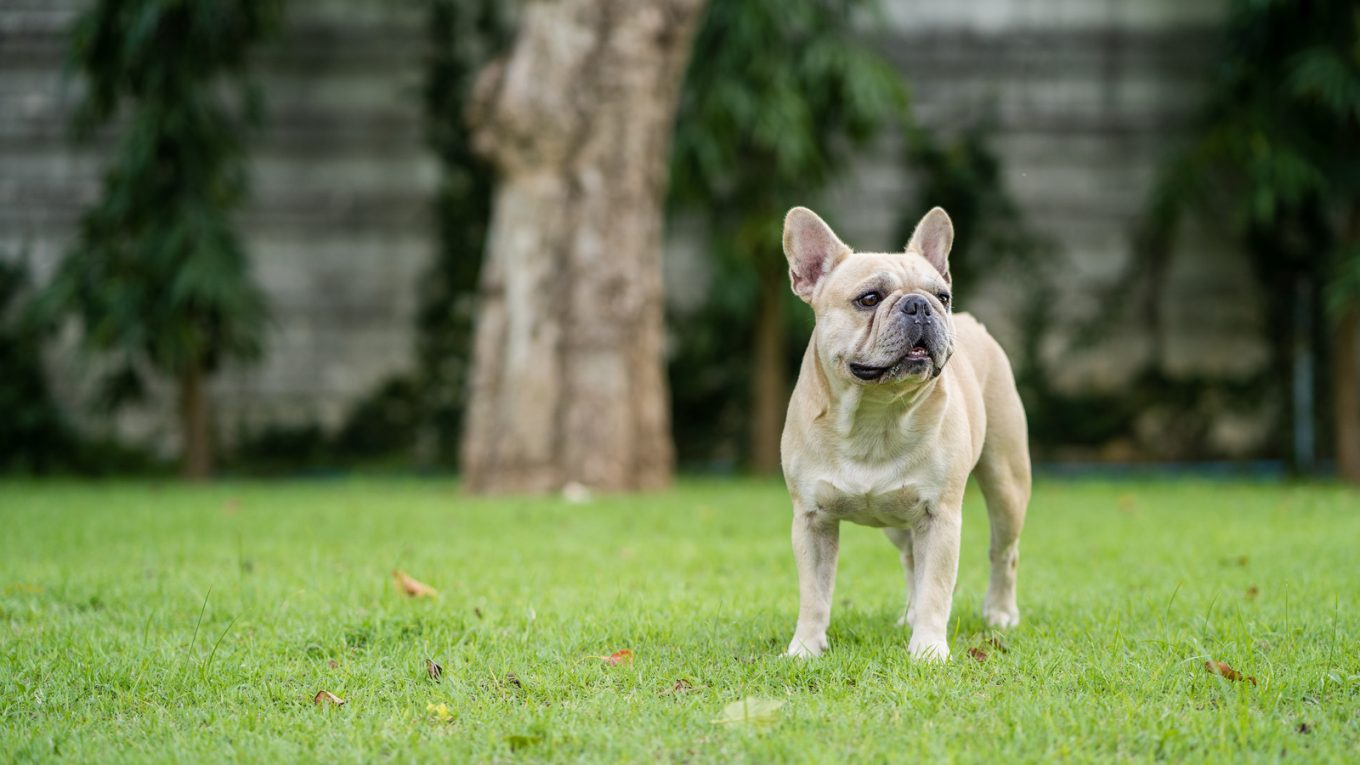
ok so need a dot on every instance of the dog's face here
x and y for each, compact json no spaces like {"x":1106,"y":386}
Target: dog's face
{"x":882,"y":318}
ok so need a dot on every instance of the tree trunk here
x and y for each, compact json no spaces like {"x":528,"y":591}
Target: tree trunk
{"x":769,"y":379}
{"x":1346,"y":377}
{"x":1346,"y":394}
{"x":568,"y":380}
{"x":195,"y":425}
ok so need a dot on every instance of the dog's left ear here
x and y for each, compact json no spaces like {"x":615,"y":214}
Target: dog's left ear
{"x":933,"y":237}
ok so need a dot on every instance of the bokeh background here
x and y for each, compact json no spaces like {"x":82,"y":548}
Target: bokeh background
{"x":1158,"y":207}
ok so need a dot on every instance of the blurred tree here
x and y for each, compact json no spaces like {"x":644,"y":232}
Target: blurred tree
{"x":778,"y":96}
{"x":568,"y":383}
{"x":1276,"y":157}
{"x":464,"y":35}
{"x":158,"y":278}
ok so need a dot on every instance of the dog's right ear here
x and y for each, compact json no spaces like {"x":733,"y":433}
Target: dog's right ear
{"x":812,"y":249}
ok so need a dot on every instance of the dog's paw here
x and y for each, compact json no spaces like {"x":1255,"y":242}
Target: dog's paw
{"x":929,"y":650}
{"x":1001,"y":617}
{"x":807,"y":648}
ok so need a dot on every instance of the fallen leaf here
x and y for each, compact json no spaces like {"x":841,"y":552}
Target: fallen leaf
{"x":680,"y":686}
{"x":622,"y":656}
{"x":1252,"y":592}
{"x":1221,"y":668}
{"x":978,"y":655}
{"x":333,"y":664}
{"x":433,"y":669}
{"x":323,"y":698}
{"x":750,"y":711}
{"x":1304,"y":728}
{"x":413,"y":587}
{"x":440,"y":712}
{"x":995,"y":642}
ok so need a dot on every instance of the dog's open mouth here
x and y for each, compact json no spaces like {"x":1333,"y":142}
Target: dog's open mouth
{"x":871,"y":373}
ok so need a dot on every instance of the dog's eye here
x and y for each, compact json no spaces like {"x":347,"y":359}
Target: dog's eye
{"x":944,"y":298}
{"x":868,"y":300}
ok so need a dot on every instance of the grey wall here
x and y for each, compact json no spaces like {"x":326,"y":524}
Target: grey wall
{"x":1086,"y":95}
{"x":338,"y":223}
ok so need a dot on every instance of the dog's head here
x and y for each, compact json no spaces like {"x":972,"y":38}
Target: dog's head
{"x":882,"y":318}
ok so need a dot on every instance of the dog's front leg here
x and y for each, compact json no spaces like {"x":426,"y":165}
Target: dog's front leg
{"x":816,"y":543}
{"x":935,"y":544}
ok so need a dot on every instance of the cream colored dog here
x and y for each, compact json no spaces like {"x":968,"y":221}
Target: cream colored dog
{"x":898,"y":400}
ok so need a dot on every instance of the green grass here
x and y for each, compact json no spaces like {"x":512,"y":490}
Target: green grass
{"x":165,"y":623}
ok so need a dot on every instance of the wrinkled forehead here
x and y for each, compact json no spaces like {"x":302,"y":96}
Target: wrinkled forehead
{"x":903,"y":269}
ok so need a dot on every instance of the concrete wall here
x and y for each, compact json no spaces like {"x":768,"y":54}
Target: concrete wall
{"x":1086,"y":95}
{"x":338,"y":224}
{"x":1087,"y":98}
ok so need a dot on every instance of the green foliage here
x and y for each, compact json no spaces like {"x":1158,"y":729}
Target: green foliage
{"x":779,"y":96}
{"x":1273,"y":164}
{"x":463,"y":37}
{"x":1275,"y":155}
{"x":34,"y":434}
{"x":158,"y":276}
{"x":36,"y":437}
{"x":421,"y":413}
{"x":964,"y":175}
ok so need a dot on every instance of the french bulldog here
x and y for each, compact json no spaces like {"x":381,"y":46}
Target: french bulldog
{"x":898,"y":400}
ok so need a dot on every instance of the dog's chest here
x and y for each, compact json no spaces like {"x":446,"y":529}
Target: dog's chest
{"x":878,"y":498}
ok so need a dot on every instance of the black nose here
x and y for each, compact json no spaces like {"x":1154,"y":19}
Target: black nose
{"x":916,"y":305}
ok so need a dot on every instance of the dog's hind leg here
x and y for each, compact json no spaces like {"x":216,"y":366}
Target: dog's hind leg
{"x":1003,"y":473}
{"x":901,"y":538}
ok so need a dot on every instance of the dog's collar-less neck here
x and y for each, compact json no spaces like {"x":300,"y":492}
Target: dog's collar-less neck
{"x":859,"y":410}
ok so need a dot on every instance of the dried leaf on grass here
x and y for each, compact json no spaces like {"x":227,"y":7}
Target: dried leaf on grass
{"x":1222,"y":669}
{"x":413,"y":587}
{"x":751,"y":711}
{"x":679,"y":686}
{"x":326,"y":698}
{"x":433,"y":669}
{"x":622,"y":656}
{"x":977,"y":654}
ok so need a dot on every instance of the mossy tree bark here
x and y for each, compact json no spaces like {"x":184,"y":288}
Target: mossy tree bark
{"x":568,"y":380}
{"x":1346,"y":377}
{"x":195,"y":416}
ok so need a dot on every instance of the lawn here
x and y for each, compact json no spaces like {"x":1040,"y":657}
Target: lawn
{"x":167,"y":623}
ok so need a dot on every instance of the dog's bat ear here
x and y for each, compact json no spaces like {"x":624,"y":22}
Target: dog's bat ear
{"x":933,"y":237}
{"x":812,"y":249}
